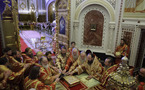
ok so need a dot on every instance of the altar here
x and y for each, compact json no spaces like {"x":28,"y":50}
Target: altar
{"x":83,"y":85}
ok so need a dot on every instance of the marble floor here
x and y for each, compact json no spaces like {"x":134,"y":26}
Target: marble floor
{"x":37,"y":40}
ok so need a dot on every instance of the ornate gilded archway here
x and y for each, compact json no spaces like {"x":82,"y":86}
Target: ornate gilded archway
{"x":62,"y":23}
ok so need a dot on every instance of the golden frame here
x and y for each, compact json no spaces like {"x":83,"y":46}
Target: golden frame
{"x":62,"y":10}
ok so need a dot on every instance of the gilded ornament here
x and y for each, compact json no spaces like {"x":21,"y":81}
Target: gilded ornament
{"x":22,"y":5}
{"x":121,"y":79}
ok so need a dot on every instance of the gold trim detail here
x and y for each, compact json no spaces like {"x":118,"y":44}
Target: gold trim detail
{"x":22,"y":5}
{"x":9,"y":37}
{"x":10,"y":44}
{"x":62,"y":10}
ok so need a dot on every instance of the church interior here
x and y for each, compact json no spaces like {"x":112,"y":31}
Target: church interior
{"x":72,"y":44}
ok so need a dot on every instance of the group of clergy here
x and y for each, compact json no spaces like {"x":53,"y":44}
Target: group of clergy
{"x":24,"y":71}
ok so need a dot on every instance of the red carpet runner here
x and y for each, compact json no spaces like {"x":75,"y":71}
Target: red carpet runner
{"x":24,"y":46}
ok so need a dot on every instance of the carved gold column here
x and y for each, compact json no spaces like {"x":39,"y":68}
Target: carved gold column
{"x":9,"y":27}
{"x":16,"y":21}
{"x":57,"y":31}
{"x":62,"y":10}
{"x":69,"y":13}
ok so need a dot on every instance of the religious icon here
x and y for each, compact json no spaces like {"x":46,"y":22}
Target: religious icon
{"x":62,"y":26}
{"x":93,"y":27}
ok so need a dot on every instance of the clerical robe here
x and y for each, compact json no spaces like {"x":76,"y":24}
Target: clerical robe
{"x":27,"y":59}
{"x":14,"y":79}
{"x":38,"y":85}
{"x":141,"y":86}
{"x":95,"y":69}
{"x":2,"y":77}
{"x":70,"y":51}
{"x":123,"y":50}
{"x":70,"y":62}
{"x":61,"y":61}
{"x":46,"y":75}
{"x":14,"y":65}
{"x":76,"y":64}
{"x":105,"y":76}
{"x":50,"y":62}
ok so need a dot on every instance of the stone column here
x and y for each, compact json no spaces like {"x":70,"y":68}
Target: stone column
{"x":111,"y":38}
{"x":75,"y":30}
{"x":135,"y":43}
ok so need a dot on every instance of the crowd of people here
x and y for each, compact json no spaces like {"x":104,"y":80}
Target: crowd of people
{"x":24,"y":71}
{"x":49,"y":27}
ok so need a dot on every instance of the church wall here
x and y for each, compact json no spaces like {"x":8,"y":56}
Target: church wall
{"x":132,"y":23}
{"x":33,"y":8}
{"x":134,"y":26}
{"x":78,"y":20}
{"x":25,"y":6}
{"x":80,"y":31}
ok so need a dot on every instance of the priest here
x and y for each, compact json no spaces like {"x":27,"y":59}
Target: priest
{"x":78,"y":62}
{"x":92,"y":66}
{"x":121,"y":51}
{"x":108,"y":69}
{"x":32,"y":81}
{"x":72,"y":58}
{"x":47,"y":74}
{"x":28,"y":56}
{"x":62,"y":58}
{"x":10,"y":80}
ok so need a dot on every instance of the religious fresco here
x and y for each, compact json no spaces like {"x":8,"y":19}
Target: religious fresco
{"x":62,"y":26}
{"x":134,"y":9}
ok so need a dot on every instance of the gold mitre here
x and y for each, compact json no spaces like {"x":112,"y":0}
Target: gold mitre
{"x":118,"y":53}
{"x":124,"y":58}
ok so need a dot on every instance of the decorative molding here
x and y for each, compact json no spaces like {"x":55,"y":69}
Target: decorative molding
{"x":104,"y":28}
{"x":78,"y":2}
{"x":112,"y":2}
{"x":103,"y":3}
{"x":22,"y":5}
{"x":110,"y":38}
{"x":75,"y":24}
{"x":119,"y":22}
{"x":135,"y":30}
{"x":128,"y":28}
{"x":79,"y":31}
